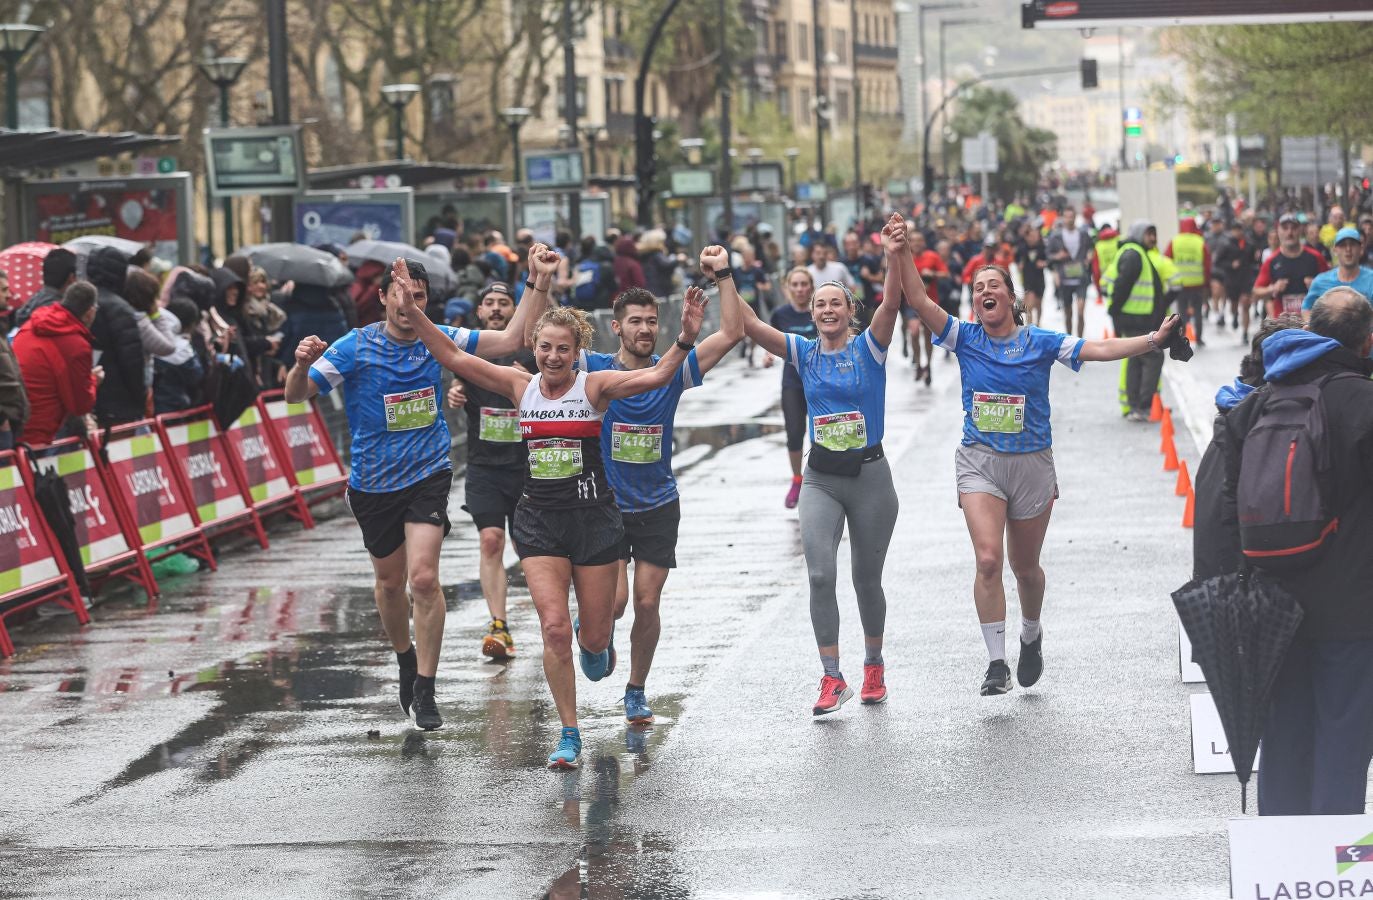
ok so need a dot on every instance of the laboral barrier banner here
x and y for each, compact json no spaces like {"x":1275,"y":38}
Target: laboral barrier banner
{"x":98,"y":530}
{"x":142,"y":470}
{"x":1301,"y":857}
{"x":196,"y":448}
{"x":301,"y":435}
{"x":262,"y":471}
{"x":27,"y":558}
{"x":1210,"y":748}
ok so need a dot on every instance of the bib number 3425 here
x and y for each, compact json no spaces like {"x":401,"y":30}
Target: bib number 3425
{"x":842,"y":431}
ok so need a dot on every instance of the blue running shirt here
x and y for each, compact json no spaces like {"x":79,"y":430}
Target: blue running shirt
{"x":1006,"y":382}
{"x":393,"y":396}
{"x":846,"y":390}
{"x":636,"y":436}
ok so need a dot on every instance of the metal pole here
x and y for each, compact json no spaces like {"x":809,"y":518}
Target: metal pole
{"x":515,"y":149}
{"x":943,"y":116}
{"x":644,"y":167}
{"x":279,"y":79}
{"x":924,"y":103}
{"x":574,"y":197}
{"x":818,"y":41}
{"x":398,"y":130}
{"x":1124,"y":137}
{"x":726,"y":98}
{"x":11,"y":91}
{"x":228,"y":202}
{"x":857,"y":109}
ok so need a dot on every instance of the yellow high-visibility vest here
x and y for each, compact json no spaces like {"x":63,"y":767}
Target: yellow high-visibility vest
{"x":1141,"y":299}
{"x":1189,"y":253}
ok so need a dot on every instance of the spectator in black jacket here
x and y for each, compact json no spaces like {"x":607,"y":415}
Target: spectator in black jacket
{"x":59,"y":272}
{"x":122,"y":396}
{"x":1318,"y":739}
{"x":248,"y":343}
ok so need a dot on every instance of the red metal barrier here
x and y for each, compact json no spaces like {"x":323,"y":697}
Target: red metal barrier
{"x":303,"y":443}
{"x":110,"y":548}
{"x":218,"y":499}
{"x":253,"y":455}
{"x":149,"y":490}
{"x":32,"y":567}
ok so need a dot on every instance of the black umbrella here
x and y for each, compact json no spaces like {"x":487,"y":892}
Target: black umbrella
{"x":1240,"y":626}
{"x":441,"y":274}
{"x":299,"y":263}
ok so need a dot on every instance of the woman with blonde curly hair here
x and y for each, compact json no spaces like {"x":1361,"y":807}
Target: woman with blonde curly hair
{"x":567,"y":528}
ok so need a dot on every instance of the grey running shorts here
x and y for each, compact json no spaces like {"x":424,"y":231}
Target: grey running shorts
{"x":1026,"y":481}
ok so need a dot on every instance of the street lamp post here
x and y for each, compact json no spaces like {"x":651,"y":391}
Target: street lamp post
{"x":820,"y":106}
{"x":945,"y":24}
{"x":791,"y":153}
{"x":593,"y":132}
{"x":857,"y":111}
{"x":223,"y":72}
{"x":921,"y":10}
{"x":398,"y":96}
{"x":514,"y":118}
{"x":15,"y":41}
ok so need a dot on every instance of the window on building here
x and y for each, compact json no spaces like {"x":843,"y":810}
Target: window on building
{"x":803,"y":109}
{"x":784,"y":102}
{"x":442,"y":99}
{"x":841,"y":104}
{"x":779,"y":41}
{"x":803,"y":39}
{"x":841,"y":45}
{"x":581,"y":96}
{"x":886,"y":31}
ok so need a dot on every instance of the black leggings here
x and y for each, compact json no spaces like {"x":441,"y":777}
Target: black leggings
{"x":794,"y":414}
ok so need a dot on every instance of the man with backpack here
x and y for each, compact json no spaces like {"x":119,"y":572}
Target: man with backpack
{"x":593,"y":278}
{"x":1300,"y":468}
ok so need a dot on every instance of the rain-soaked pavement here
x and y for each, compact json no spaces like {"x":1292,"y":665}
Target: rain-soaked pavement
{"x":242,"y":739}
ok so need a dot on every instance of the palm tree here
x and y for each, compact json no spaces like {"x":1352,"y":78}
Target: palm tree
{"x":1022,"y":151}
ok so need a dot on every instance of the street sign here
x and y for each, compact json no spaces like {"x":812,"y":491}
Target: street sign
{"x":1134,"y":121}
{"x":1087,"y":14}
{"x":1253,"y":151}
{"x":257,"y":161}
{"x":1308,"y":161}
{"x":814,"y":192}
{"x":546,"y":170}
{"x":166,"y":165}
{"x":695,"y":182}
{"x":979,"y":154}
{"x":759,"y":176}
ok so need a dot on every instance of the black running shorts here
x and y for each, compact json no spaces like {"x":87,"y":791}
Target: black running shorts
{"x":491,"y":495}
{"x":586,"y":535}
{"x":383,"y":516}
{"x":651,"y":536}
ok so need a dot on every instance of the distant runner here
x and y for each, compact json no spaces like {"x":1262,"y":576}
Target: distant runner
{"x":794,"y":317}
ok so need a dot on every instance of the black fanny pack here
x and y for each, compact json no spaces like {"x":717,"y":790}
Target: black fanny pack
{"x":842,"y":462}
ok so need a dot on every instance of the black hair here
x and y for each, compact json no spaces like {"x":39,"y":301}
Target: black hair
{"x":79,"y":298}
{"x":460,"y":257}
{"x":417,"y":271}
{"x":1348,"y":320}
{"x":58,"y":267}
{"x":185,"y":310}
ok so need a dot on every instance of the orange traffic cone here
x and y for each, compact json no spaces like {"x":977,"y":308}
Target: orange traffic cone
{"x":1156,"y":408}
{"x":1191,"y":333}
{"x":1189,"y":511}
{"x":1184,"y":480}
{"x":1170,"y":456}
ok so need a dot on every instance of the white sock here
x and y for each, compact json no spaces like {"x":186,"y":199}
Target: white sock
{"x":994,"y":633}
{"x":1029,"y":630}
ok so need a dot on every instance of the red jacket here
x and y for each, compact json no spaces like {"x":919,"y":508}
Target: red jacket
{"x":54,"y":353}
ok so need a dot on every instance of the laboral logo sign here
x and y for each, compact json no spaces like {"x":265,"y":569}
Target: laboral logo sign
{"x":1301,"y":857}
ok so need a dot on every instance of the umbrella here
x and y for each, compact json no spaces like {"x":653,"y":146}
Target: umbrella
{"x":23,"y":263}
{"x":83,"y":245}
{"x":441,"y":274}
{"x":299,"y":263}
{"x":1240,"y":626}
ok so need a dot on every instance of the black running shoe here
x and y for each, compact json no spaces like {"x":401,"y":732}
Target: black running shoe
{"x":426,"y":710}
{"x":1031,"y":663}
{"x":409,"y":668}
{"x":998,"y":680}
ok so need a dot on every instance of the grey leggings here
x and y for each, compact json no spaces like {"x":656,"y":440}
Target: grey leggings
{"x":868,"y":502}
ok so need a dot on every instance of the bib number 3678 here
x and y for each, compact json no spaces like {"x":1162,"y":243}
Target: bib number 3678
{"x":555,"y":458}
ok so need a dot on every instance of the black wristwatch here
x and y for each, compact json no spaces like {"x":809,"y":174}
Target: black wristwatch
{"x":530,"y":285}
{"x":684,"y":346}
{"x":722,"y":274}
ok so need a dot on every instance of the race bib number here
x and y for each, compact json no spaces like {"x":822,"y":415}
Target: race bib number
{"x":1291,"y":303}
{"x":636,"y":443}
{"x":411,"y":410}
{"x":555,"y":458}
{"x":998,"y":413}
{"x":1074,"y":271}
{"x":500,"y":426}
{"x":841,"y":431}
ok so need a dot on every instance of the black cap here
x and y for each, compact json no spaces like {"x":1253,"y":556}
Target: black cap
{"x":495,"y":287}
{"x":417,"y":272}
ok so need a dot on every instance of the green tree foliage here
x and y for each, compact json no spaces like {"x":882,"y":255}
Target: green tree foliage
{"x":1022,"y":151}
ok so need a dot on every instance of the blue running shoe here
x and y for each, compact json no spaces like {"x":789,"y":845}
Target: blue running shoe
{"x":595,"y":666}
{"x":636,"y":707}
{"x":568,"y":752}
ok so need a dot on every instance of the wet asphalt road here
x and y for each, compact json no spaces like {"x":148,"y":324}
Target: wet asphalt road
{"x":218,"y":746}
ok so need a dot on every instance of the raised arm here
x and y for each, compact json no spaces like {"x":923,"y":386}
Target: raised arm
{"x":610,"y":384}
{"x":885,"y":316}
{"x":504,"y":380}
{"x":715,"y":262}
{"x":543,"y":263}
{"x":931,"y":314}
{"x":299,"y":386}
{"x":1113,"y":349}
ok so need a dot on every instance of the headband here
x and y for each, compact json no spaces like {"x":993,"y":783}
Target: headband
{"x":848,"y":294}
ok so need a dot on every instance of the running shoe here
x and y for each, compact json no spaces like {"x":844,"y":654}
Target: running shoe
{"x":793,"y":493}
{"x":636,"y":707}
{"x":595,"y":666}
{"x":874,"y":684}
{"x":498,"y":644}
{"x":409,"y":668}
{"x":1031,"y":663}
{"x":834,"y":693}
{"x":426,"y":709}
{"x":998,"y":680}
{"x":568,"y":752}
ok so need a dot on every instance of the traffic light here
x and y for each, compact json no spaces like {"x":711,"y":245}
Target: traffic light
{"x":1088,"y":73}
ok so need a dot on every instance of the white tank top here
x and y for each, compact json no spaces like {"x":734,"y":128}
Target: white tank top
{"x":563,"y":440}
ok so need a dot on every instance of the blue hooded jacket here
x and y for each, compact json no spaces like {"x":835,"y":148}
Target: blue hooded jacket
{"x":1292,"y":349}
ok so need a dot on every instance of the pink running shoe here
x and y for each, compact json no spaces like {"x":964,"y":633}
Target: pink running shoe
{"x":874,"y":684}
{"x":834,"y":693}
{"x":794,"y":493}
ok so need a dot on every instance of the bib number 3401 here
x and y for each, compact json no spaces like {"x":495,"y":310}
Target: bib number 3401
{"x":410,"y":410}
{"x":998,"y":413}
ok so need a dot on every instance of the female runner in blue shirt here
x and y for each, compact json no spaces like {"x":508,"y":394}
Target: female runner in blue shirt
{"x":847,"y":479}
{"x":1005,"y":465}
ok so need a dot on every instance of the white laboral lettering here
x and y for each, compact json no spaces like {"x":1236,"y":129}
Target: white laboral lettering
{"x":12,"y":519}
{"x":206,"y":465}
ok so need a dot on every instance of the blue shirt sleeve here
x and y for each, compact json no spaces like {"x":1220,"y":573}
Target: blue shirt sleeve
{"x":337,"y":363}
{"x":465,"y":338}
{"x":690,"y":374}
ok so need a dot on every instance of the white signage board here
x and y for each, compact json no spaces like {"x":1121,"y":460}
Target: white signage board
{"x":979,"y":154}
{"x":1191,"y":672}
{"x":1290,"y":857}
{"x":1210,"y":749}
{"x":1151,"y":195}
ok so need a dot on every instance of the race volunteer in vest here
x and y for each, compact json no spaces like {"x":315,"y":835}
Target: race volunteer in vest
{"x":1005,"y":465}
{"x":1192,"y":257}
{"x":1103,"y":254}
{"x":495,"y":465}
{"x":847,"y":480}
{"x":401,"y":474}
{"x":636,"y":444}
{"x":567,"y":527}
{"x":1138,"y":304}
{"x":1285,"y":278}
{"x":1348,"y":271}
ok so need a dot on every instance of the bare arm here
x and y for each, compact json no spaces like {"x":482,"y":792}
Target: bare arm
{"x":299,"y":385}
{"x":884,"y":318}
{"x":1122,"y":348}
{"x":607,"y":385}
{"x":763,"y":334}
{"x":931,"y":314}
{"x":714,"y":348}
{"x":532,"y":305}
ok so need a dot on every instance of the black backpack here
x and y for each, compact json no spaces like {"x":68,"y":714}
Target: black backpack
{"x":1285,"y":496}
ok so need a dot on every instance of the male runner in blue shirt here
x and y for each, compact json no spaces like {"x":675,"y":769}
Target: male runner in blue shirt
{"x":401,"y":474}
{"x":636,"y":443}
